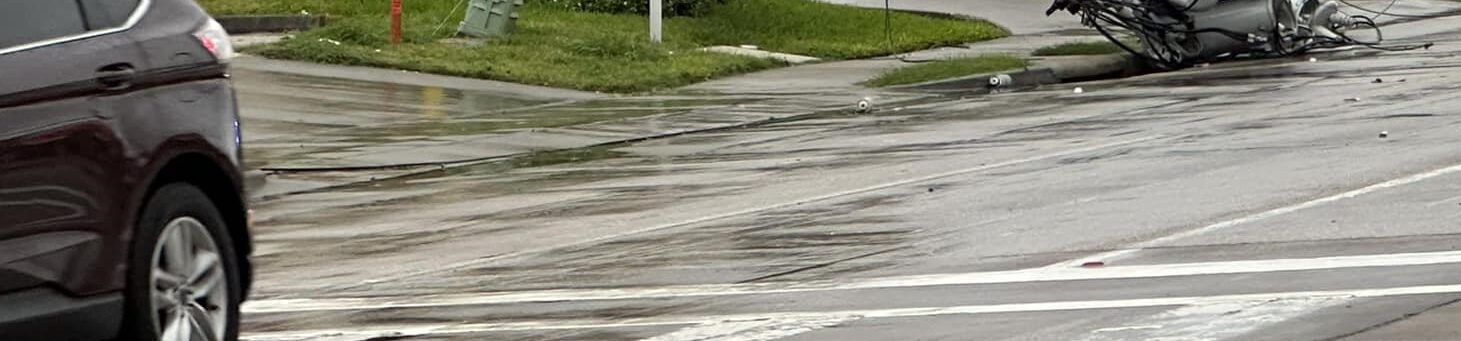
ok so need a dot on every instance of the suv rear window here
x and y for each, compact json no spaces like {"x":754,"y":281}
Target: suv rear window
{"x":28,"y":21}
{"x":104,"y":14}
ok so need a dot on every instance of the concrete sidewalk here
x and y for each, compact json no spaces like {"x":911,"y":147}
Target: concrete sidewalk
{"x":379,"y":75}
{"x":847,"y":76}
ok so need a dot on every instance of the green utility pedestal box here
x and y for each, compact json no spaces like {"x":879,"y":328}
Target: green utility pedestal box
{"x":490,"y":18}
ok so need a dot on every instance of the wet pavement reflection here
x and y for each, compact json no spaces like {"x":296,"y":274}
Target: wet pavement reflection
{"x":659,"y":237}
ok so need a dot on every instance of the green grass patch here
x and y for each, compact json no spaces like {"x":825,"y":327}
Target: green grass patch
{"x":830,"y":31}
{"x":601,"y":52}
{"x":1079,"y":49}
{"x":950,"y":68}
{"x":585,"y":51}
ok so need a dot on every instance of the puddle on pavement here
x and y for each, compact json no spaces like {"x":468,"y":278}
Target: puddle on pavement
{"x":608,"y":201}
{"x":760,"y":237}
{"x":661,"y":102}
{"x":794,"y":238}
{"x":791,"y":239}
{"x":577,"y":115}
{"x":551,"y":158}
{"x":528,"y":119}
{"x":501,"y":170}
{"x":781,"y":242}
{"x":345,"y":116}
{"x":771,"y":246}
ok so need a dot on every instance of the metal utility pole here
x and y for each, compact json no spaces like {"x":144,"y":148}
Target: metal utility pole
{"x":656,"y":22}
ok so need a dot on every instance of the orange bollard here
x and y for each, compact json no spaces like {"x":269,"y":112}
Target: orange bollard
{"x":395,"y":21}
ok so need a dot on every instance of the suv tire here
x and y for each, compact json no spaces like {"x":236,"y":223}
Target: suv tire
{"x":174,"y":290}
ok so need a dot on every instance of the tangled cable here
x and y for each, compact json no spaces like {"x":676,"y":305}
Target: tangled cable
{"x":1167,"y":32}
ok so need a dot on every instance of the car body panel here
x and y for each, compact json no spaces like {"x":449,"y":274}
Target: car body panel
{"x":80,"y":157}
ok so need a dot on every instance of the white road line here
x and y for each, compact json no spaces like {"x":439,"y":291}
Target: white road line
{"x":753,"y":210}
{"x":384,"y":331}
{"x":971,"y":278}
{"x":1213,"y":321}
{"x":1118,"y":254}
{"x":1125,"y":328}
{"x":766,"y":330}
{"x":1444,"y":201}
{"x":366,"y":332}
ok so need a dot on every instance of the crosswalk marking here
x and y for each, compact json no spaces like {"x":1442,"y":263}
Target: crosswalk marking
{"x":376,"y":331}
{"x":1213,"y":321}
{"x":764,"y":330}
{"x":972,"y":278}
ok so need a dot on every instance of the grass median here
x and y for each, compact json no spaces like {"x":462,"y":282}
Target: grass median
{"x":602,"y":52}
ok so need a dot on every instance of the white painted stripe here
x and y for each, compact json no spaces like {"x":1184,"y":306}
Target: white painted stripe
{"x":971,"y":278}
{"x":381,"y":331}
{"x":1213,"y":321}
{"x":714,"y":217}
{"x":765,"y":330}
{"x":1125,"y":328}
{"x":1118,"y":254}
{"x":1445,"y":201}
{"x":366,"y":332}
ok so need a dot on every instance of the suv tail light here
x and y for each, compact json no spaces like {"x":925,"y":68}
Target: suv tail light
{"x":215,"y":39}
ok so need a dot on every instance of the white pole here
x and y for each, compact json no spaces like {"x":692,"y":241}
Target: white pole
{"x":655,"y":22}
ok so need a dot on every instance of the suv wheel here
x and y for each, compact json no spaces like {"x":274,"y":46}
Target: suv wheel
{"x":182,"y":281}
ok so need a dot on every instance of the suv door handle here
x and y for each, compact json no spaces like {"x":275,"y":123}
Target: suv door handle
{"x":116,"y":76}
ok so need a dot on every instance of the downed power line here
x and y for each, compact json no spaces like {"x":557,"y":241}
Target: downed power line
{"x":1180,"y":33}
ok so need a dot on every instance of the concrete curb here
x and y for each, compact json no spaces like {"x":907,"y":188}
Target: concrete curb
{"x":1050,"y":70}
{"x":371,"y":74}
{"x":758,"y":53}
{"x":239,"y":24}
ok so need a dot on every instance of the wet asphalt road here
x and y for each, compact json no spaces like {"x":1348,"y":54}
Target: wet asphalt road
{"x":1245,"y":201}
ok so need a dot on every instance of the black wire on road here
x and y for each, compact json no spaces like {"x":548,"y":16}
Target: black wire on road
{"x":1383,"y":11}
{"x":1386,"y":11}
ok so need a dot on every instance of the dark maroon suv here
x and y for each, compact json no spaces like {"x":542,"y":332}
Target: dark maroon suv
{"x":121,"y":210}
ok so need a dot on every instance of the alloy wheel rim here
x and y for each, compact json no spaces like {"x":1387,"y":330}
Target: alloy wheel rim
{"x":188,"y":284}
